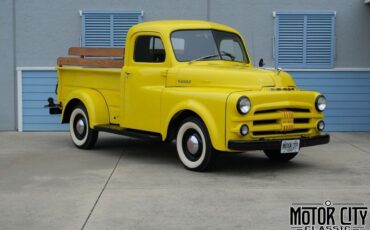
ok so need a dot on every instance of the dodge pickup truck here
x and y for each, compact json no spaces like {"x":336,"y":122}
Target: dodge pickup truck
{"x":191,"y":82}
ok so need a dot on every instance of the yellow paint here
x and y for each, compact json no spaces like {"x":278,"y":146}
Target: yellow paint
{"x":147,"y":96}
{"x":73,"y":82}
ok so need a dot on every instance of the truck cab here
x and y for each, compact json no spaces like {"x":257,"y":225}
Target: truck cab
{"x":192,"y":82}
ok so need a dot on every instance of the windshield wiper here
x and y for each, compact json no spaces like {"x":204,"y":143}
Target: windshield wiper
{"x":228,"y":54}
{"x":203,"y":58}
{"x":232,"y":57}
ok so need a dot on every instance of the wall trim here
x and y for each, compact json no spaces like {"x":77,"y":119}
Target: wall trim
{"x":274,"y":13}
{"x":331,"y":70}
{"x":270,"y":68}
{"x":19,"y":101}
{"x":35,"y":68}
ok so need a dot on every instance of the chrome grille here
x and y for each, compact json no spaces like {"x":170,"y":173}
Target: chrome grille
{"x":295,"y":131}
{"x":281,"y":121}
{"x":297,"y":110}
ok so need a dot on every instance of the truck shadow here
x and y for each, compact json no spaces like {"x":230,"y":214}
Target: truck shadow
{"x":253,"y":162}
{"x":155,"y":152}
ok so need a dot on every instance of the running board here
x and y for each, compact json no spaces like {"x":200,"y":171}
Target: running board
{"x":127,"y":132}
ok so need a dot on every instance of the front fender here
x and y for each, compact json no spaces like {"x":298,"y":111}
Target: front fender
{"x":214,"y":122}
{"x":94,"y":103}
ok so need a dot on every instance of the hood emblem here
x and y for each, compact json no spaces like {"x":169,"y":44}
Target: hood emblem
{"x":282,"y":89}
{"x":182,"y":81}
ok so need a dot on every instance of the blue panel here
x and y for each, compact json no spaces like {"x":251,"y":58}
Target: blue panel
{"x":349,"y":105}
{"x":348,"y":95}
{"x":45,"y":127}
{"x":33,"y":104}
{"x":36,"y":96}
{"x":332,"y":112}
{"x":37,"y":87}
{"x":40,"y":81}
{"x":107,"y":28}
{"x":39,"y":74}
{"x":35,"y":112}
{"x":304,"y":40}
{"x":347,"y":127}
{"x":47,"y":119}
{"x":338,"y":82}
{"x":336,"y":89}
{"x":347,"y":120}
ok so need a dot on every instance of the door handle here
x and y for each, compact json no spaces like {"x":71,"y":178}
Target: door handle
{"x":127,"y":73}
{"x":164,"y":73}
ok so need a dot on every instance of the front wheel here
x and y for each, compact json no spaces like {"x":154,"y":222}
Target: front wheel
{"x":82,"y":135}
{"x":194,"y":145}
{"x":276,"y":155}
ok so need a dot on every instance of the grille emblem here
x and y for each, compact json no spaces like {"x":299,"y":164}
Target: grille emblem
{"x":287,"y":122}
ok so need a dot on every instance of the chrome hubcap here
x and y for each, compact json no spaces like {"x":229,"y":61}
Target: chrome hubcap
{"x":80,"y":126}
{"x":192,"y":144}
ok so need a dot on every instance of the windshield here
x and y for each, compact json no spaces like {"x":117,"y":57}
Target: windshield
{"x":196,"y":45}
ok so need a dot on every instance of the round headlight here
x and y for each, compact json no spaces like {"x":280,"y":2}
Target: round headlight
{"x":320,"y":103}
{"x":244,"y":130}
{"x":321,"y":125}
{"x":244,"y":105}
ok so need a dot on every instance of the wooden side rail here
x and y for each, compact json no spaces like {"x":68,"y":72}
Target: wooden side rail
{"x":104,"y":63}
{"x":96,"y":52}
{"x":99,"y":57}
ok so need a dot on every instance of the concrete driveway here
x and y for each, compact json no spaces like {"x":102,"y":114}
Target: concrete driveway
{"x":47,"y":183}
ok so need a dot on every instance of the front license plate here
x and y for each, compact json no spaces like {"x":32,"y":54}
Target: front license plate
{"x":289,"y":146}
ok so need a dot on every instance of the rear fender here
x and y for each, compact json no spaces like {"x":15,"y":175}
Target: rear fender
{"x":94,"y":103}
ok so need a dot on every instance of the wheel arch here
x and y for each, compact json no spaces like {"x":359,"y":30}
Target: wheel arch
{"x":94,"y":103}
{"x":180,"y":113}
{"x":174,"y":123}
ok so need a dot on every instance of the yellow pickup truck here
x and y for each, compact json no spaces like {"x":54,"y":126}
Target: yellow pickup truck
{"x":192,"y":82}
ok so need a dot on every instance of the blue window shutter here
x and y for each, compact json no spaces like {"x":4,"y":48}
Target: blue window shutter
{"x":320,"y":41}
{"x":107,"y":28}
{"x":304,"y":40}
{"x":290,"y":40}
{"x":121,"y":25}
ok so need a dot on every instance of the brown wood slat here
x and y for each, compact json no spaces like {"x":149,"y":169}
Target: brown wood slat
{"x":96,"y":52}
{"x":75,"y":61}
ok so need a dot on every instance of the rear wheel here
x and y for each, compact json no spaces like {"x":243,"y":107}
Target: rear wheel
{"x":276,"y":155}
{"x":82,"y":135}
{"x":194,"y":145}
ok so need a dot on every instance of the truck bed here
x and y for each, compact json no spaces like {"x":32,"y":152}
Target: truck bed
{"x":104,"y":80}
{"x":94,"y":68}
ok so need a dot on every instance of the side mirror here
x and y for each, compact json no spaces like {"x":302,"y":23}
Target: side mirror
{"x":261,"y":63}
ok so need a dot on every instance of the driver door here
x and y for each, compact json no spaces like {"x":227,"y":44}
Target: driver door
{"x":144,"y":81}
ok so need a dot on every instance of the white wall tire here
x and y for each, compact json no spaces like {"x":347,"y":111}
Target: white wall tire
{"x":82,"y":135}
{"x":194,"y":145}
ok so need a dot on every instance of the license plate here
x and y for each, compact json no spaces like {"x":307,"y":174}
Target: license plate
{"x":289,"y":146}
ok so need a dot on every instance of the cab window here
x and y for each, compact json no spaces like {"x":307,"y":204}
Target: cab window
{"x":149,"y":49}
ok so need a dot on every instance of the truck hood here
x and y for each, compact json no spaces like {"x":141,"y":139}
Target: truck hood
{"x":227,"y":76}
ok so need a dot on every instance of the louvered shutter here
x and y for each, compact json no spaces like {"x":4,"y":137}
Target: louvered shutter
{"x":290,"y":40}
{"x":304,"y":40}
{"x":320,"y":40}
{"x":107,"y":28}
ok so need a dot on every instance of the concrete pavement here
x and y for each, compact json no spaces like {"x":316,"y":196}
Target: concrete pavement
{"x":124,"y":183}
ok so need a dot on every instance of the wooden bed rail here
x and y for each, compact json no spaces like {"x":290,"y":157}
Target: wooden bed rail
{"x":93,"y":57}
